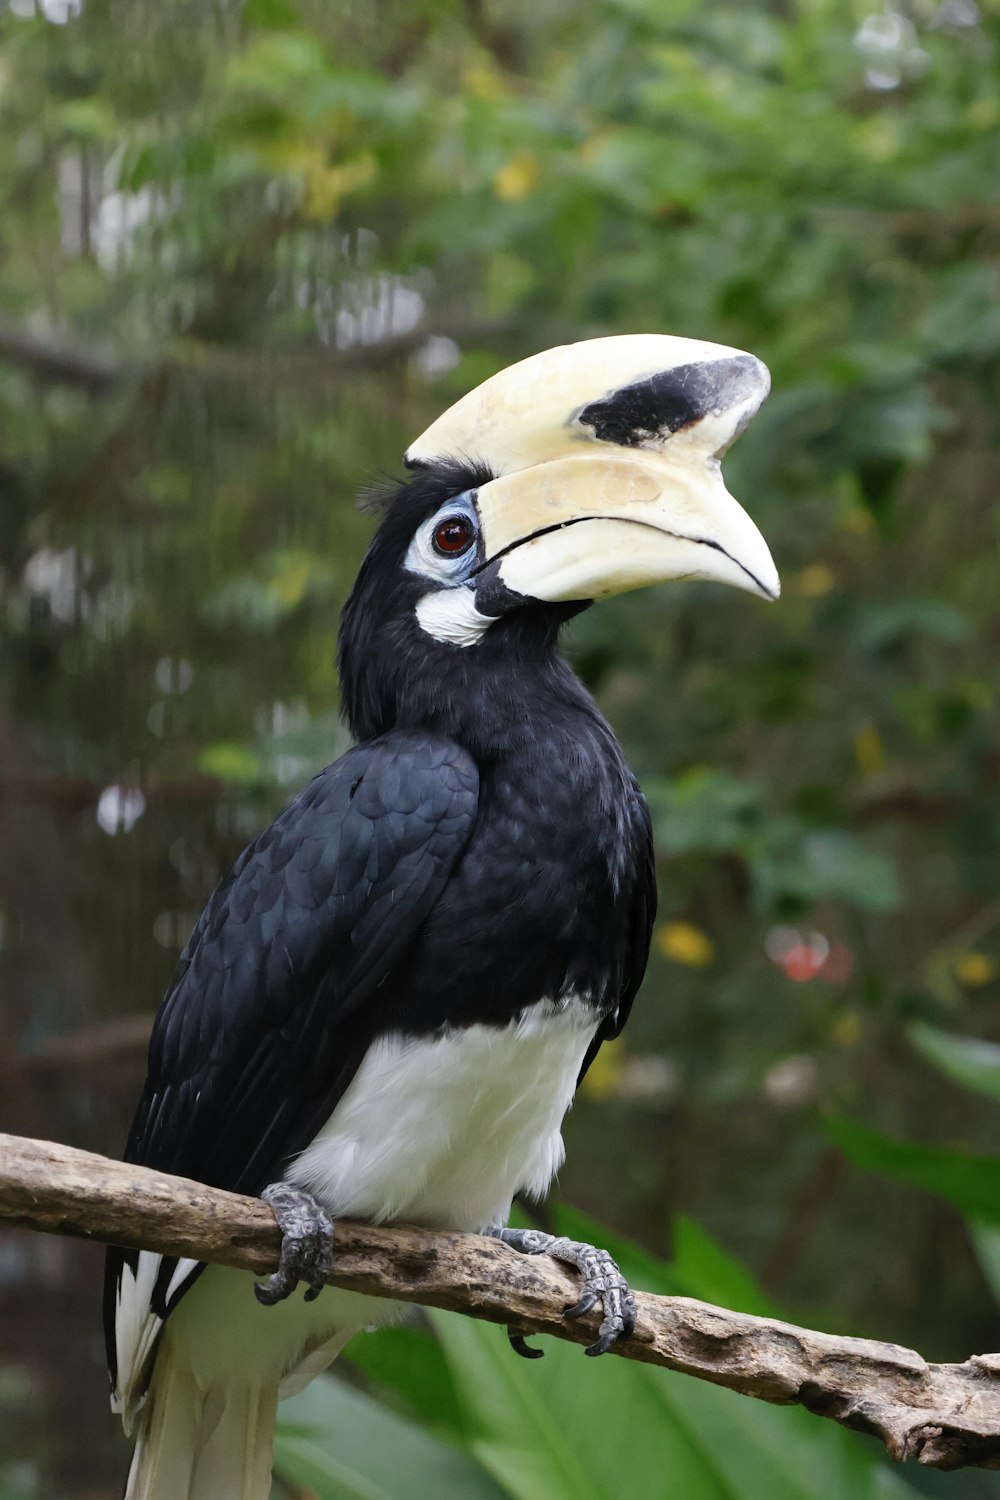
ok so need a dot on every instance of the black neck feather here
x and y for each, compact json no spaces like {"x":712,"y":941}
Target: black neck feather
{"x":394,"y":674}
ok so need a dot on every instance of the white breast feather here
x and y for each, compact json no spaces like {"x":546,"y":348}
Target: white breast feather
{"x":444,"y":1130}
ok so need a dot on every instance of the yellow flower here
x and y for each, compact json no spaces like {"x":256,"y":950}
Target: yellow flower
{"x":879,"y":137}
{"x":327,"y":185}
{"x":816,"y":580}
{"x":291,"y":579}
{"x":868,"y":751}
{"x":683,"y":943}
{"x":856,"y":520}
{"x":975,"y":969}
{"x":601,"y":1081}
{"x":847,"y":1029}
{"x":518,"y":178}
{"x":983,"y":114}
{"x":483,"y":83}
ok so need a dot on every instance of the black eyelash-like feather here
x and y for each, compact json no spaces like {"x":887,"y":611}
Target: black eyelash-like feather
{"x":429,"y":484}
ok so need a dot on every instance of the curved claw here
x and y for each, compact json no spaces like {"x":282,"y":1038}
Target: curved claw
{"x":274,"y":1290}
{"x":580,"y":1309}
{"x":521,"y":1347}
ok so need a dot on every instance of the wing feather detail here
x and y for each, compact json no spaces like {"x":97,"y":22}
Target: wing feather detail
{"x":640,"y":935}
{"x":276,"y":995}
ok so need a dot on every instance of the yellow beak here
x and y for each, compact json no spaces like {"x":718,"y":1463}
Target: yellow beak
{"x":607,"y":462}
{"x":589,"y":527}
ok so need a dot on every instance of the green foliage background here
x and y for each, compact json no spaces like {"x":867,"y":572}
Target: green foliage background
{"x":247,"y":252}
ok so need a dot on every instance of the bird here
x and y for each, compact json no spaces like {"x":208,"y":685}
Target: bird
{"x":386,"y":1006}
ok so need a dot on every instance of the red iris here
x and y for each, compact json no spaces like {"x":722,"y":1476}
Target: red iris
{"x":453,"y":535}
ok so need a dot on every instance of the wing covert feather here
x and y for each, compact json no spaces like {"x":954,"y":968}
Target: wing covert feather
{"x":266,"y":1020}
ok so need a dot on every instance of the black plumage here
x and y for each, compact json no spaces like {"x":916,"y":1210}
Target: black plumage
{"x":482,"y":849}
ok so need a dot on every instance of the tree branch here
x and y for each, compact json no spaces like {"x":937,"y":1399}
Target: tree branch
{"x":947,"y":1416}
{"x":124,"y":1040}
{"x":50,"y":357}
{"x":56,"y":358}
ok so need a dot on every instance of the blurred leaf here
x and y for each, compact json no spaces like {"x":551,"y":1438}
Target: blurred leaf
{"x":342,"y":1445}
{"x":712,"y":812}
{"x":302,"y":1462}
{"x":964,"y":317}
{"x":836,"y":863}
{"x":886,"y":627}
{"x":231,"y":763}
{"x":973,"y":1063}
{"x":19,"y":1481}
{"x":971,"y":1183}
{"x":702,"y":810}
{"x":88,"y":119}
{"x":554,"y":1429}
{"x":267,"y":13}
{"x":411,"y":1362}
{"x":261,"y":603}
{"x":707,"y":1272}
{"x":986,"y":1243}
{"x":557,"y":1427}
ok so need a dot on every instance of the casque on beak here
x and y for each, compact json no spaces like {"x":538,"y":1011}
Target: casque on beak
{"x":607,"y":461}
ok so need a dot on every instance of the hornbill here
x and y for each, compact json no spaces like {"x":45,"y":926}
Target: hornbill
{"x":387,"y":1004}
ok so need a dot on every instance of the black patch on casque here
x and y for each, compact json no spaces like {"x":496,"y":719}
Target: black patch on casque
{"x":664,"y":403}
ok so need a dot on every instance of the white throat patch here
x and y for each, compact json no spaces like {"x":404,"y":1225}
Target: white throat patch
{"x":451,"y":616}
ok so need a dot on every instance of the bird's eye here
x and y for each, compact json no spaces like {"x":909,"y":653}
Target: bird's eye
{"x":453,"y":536}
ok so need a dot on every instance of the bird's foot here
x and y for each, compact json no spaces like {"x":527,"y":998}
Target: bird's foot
{"x":602,"y":1283}
{"x":306,"y":1244}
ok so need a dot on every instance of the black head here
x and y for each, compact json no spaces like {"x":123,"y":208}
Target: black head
{"x":430,"y":628}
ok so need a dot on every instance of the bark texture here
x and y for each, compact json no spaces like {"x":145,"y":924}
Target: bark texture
{"x":947,"y":1416}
